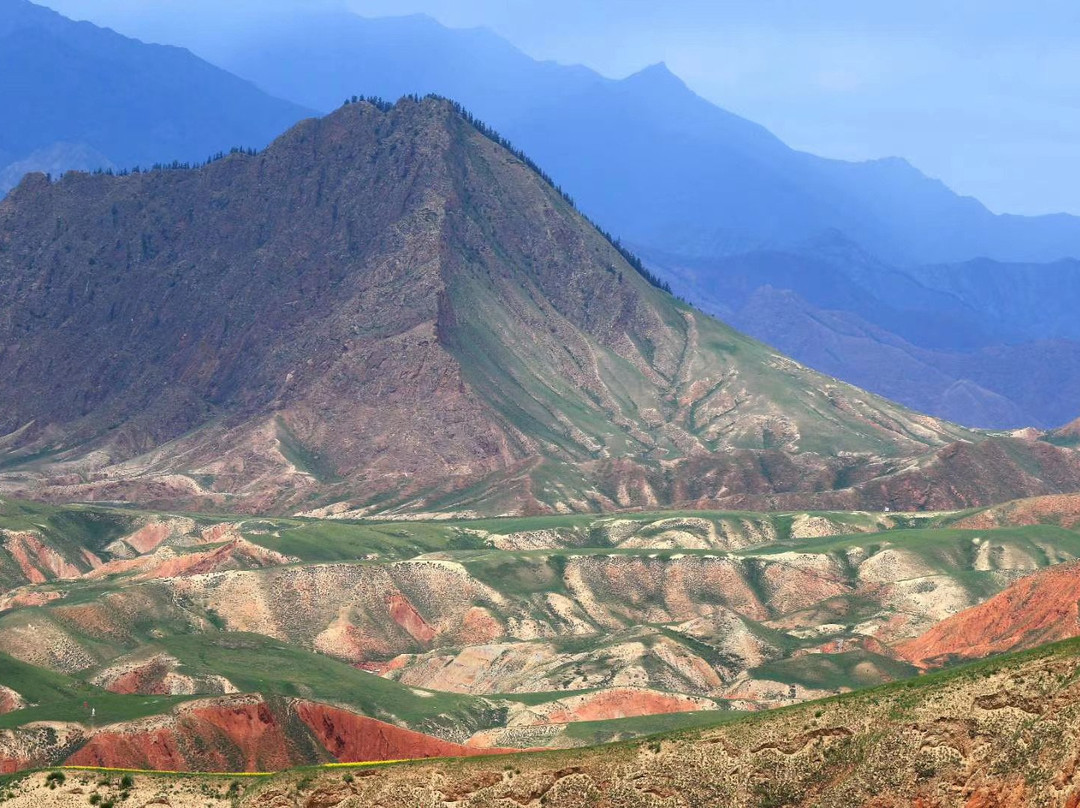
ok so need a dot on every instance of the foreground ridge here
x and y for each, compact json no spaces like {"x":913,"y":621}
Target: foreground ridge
{"x":1002,"y":733}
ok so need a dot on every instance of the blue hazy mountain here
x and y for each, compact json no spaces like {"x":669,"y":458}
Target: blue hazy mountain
{"x":870,"y":271}
{"x":75,"y":95}
{"x":645,"y":156}
{"x":980,"y":342}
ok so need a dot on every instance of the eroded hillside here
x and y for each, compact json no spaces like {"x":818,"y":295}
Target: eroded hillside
{"x":534,"y":632}
{"x":387,"y":310}
{"x":999,"y":734}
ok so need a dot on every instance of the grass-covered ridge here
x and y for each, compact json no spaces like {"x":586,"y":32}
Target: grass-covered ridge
{"x":55,"y":697}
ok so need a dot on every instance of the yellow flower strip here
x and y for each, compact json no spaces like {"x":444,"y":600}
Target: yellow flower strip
{"x":358,"y":764}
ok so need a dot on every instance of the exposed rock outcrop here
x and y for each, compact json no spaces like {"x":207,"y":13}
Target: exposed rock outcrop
{"x":1041,"y":608}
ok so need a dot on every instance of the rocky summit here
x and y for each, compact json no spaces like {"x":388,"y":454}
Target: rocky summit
{"x":389,"y":310}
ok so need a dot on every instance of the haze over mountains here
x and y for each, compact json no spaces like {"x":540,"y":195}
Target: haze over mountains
{"x":645,"y":156}
{"x":711,"y":200}
{"x":982,"y":342}
{"x":75,"y":96}
{"x":692,"y":185}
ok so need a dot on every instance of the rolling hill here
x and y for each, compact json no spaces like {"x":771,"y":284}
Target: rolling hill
{"x":1036,"y":610}
{"x":211,"y":642}
{"x":995,"y":734}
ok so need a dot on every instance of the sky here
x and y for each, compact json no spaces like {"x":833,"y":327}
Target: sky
{"x":983,"y":94}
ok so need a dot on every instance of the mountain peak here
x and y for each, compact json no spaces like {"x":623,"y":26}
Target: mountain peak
{"x":658,"y":76}
{"x":386,"y":303}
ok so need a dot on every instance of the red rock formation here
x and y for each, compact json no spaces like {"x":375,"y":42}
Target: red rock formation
{"x":10,"y":700}
{"x":622,"y":703}
{"x":123,"y":748}
{"x":1061,"y":509}
{"x":353,"y":738}
{"x":256,"y":731}
{"x":235,"y":735}
{"x":27,"y":597}
{"x":1037,"y":609}
{"x":37,"y":745}
{"x":236,"y":554}
{"x":406,"y":616}
{"x":148,"y":537}
{"x":148,"y":680}
{"x":247,"y":734}
{"x":998,"y":795}
{"x":223,"y":531}
{"x":383,"y":668}
{"x":39,"y":562}
{"x":480,"y":626}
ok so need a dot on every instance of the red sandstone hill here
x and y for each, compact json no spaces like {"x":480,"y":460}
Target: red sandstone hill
{"x":1038,"y":609}
{"x":231,"y":733}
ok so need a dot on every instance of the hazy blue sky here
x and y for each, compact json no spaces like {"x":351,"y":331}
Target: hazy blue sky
{"x":984,"y":94}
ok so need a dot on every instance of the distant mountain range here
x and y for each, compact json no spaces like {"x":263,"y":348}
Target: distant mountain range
{"x":74,"y":95}
{"x":981,"y":342}
{"x":646,"y":156}
{"x":868,"y":271}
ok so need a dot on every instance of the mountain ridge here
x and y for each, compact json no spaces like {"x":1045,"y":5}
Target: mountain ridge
{"x":575,"y":123}
{"x":609,"y":142}
{"x":1001,"y":333}
{"x":420,"y":286}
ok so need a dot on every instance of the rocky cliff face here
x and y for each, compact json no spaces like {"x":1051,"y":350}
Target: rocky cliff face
{"x":388,"y":308}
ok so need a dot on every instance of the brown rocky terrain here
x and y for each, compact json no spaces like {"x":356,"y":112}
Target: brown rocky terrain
{"x":1061,"y":509}
{"x":159,"y":675}
{"x":1004,"y":734}
{"x":238,"y":553}
{"x":387,"y":309}
{"x":35,"y":561}
{"x":1041,"y":608}
{"x":10,"y":700}
{"x":351,"y":737}
{"x":707,"y":623}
